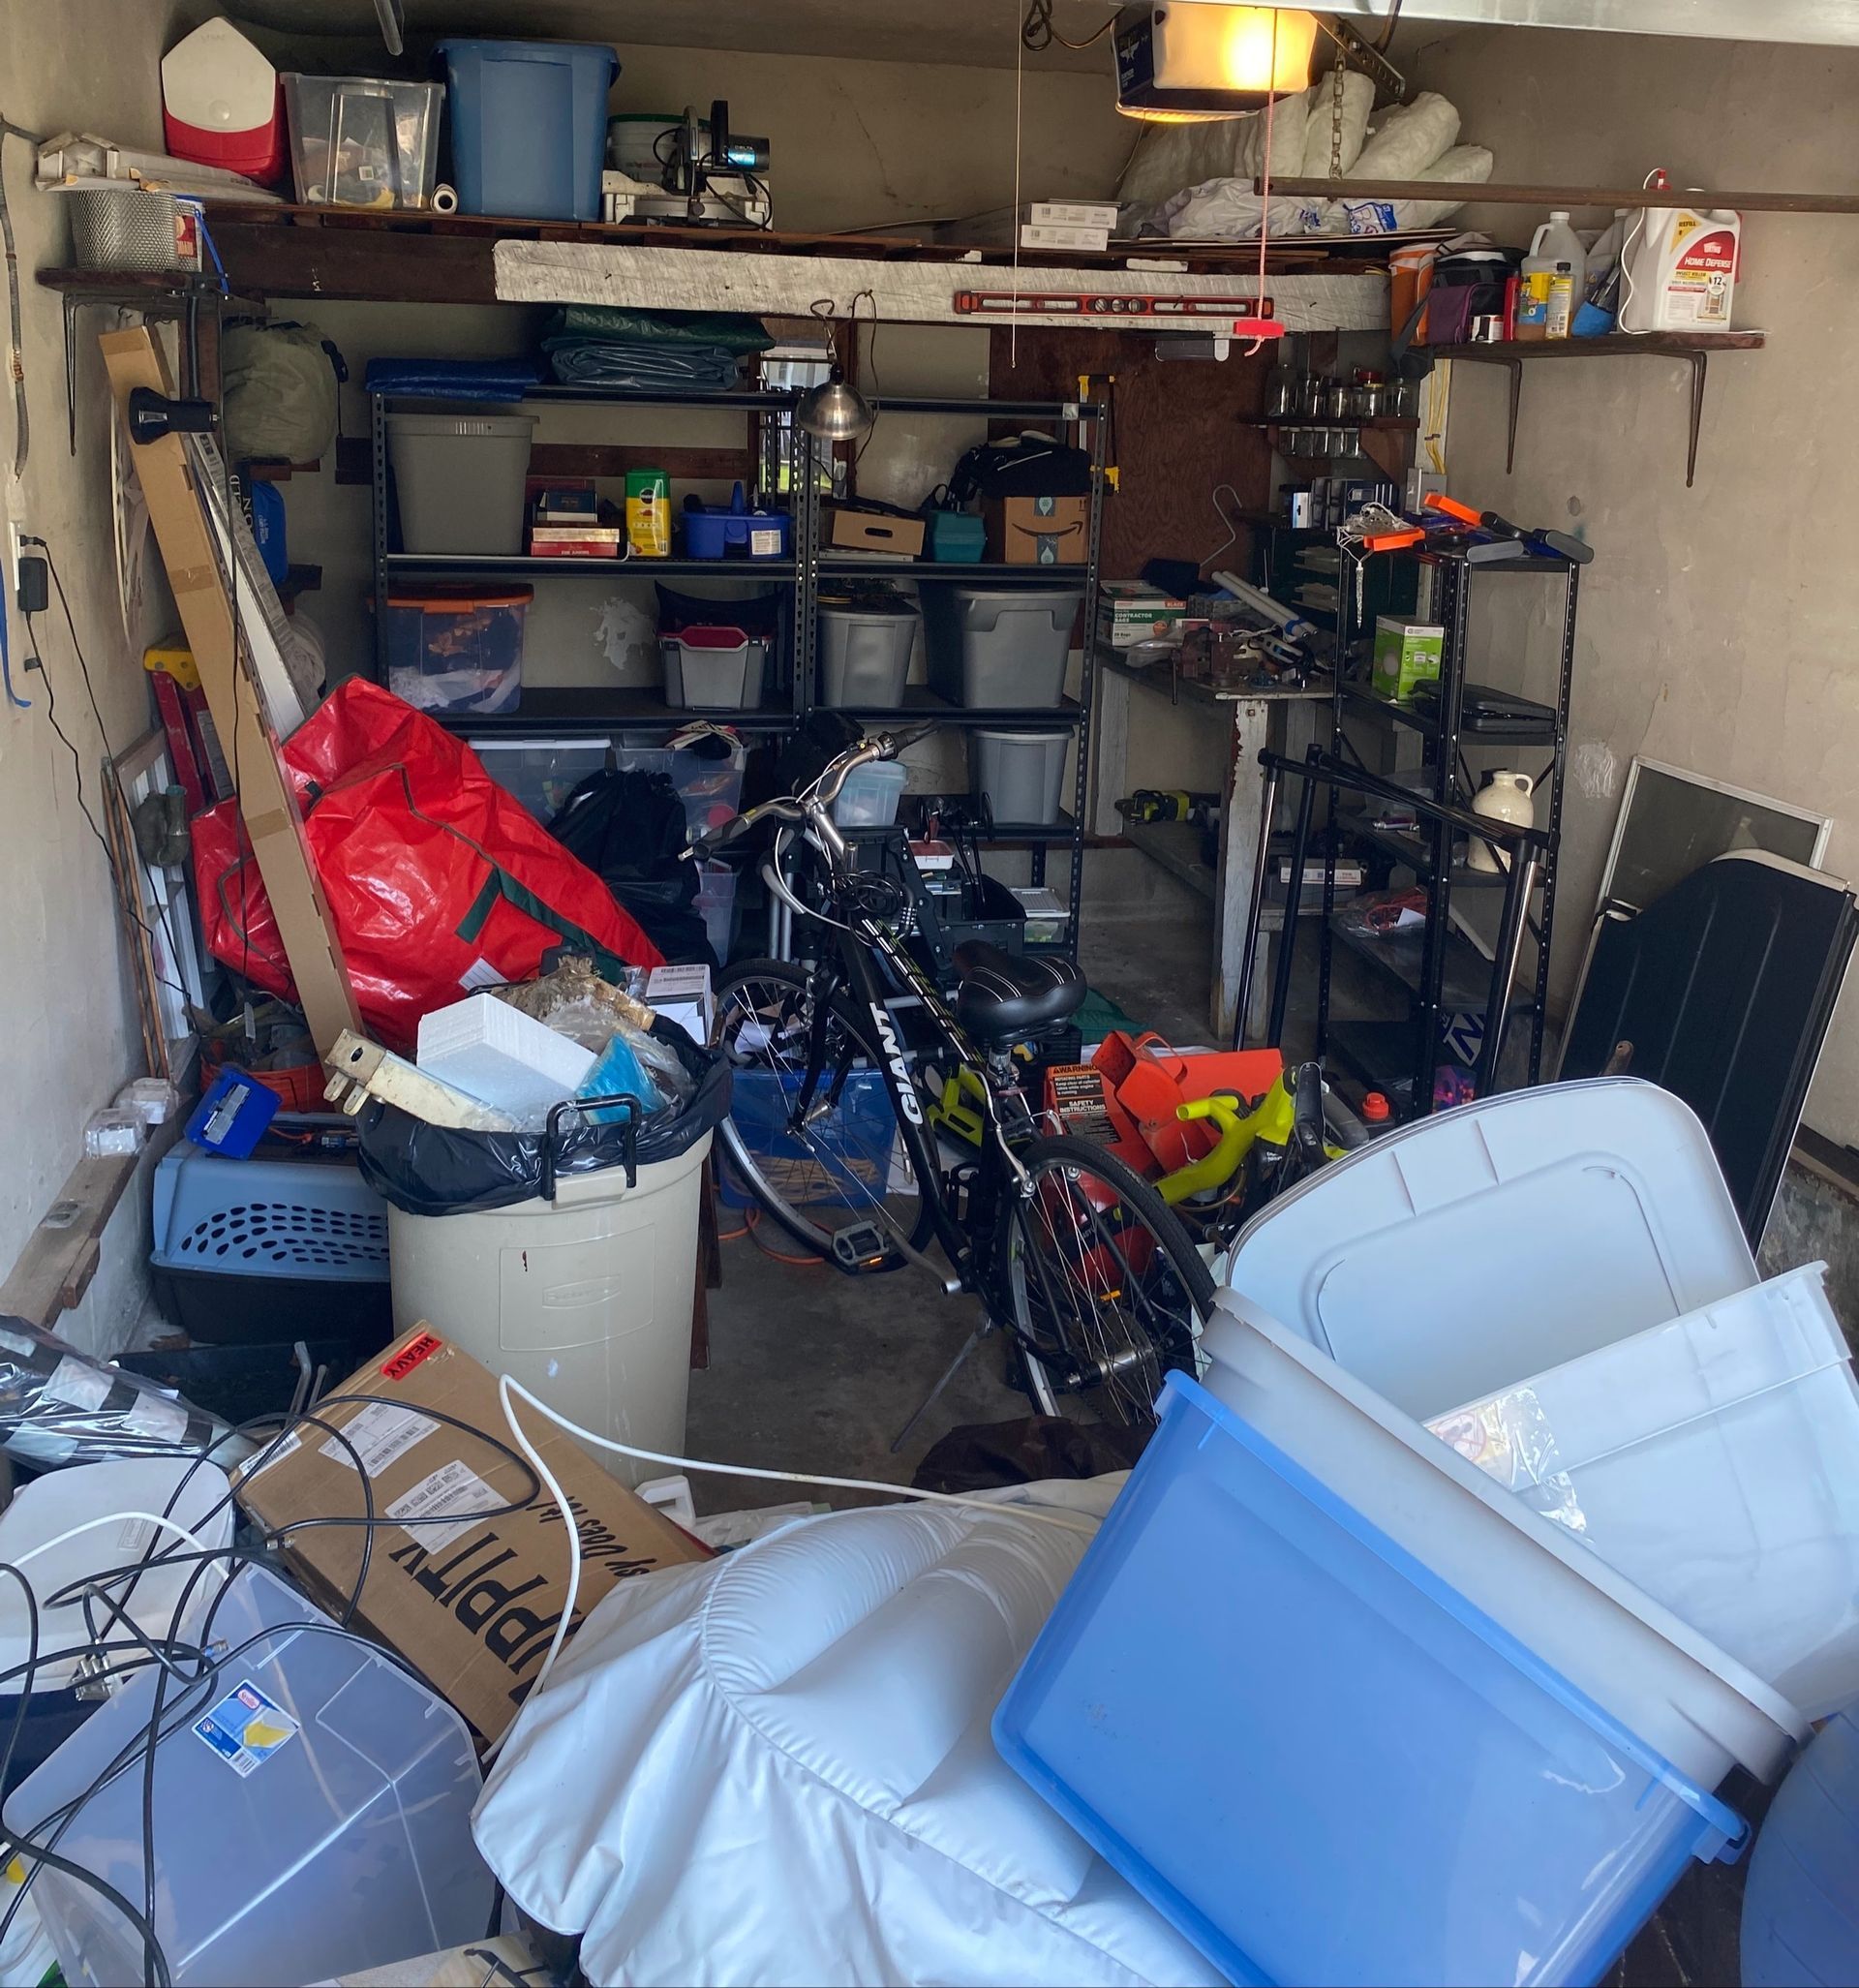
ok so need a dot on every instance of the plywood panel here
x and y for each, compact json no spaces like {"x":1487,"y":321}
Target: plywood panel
{"x":1178,"y":434}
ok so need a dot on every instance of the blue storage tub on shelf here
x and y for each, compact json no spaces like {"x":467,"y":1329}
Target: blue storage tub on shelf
{"x":733,"y":530}
{"x":1321,"y":1761}
{"x":528,"y":126}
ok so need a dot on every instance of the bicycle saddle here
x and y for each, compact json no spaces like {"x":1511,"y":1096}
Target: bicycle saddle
{"x":1003,"y":996}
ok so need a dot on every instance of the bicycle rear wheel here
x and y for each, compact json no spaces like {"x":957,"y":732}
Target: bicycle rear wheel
{"x":1107,"y":1291}
{"x":844,"y":1162}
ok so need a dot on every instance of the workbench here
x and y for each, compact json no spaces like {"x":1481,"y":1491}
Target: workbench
{"x":1285,"y":720}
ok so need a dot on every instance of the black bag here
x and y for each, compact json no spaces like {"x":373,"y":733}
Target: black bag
{"x":438,"y":1169}
{"x":629,"y":826}
{"x":1029,"y":466}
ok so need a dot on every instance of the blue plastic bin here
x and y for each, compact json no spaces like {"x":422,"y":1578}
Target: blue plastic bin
{"x":1317,"y":1760}
{"x":528,"y":126}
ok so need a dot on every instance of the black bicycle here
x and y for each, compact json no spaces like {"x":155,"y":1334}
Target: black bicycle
{"x":855,"y":1145}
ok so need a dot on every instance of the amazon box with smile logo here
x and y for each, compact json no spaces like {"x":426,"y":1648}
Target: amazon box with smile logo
{"x":470,"y":1600}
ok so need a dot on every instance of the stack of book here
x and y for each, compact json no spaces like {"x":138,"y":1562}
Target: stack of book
{"x":569,"y":521}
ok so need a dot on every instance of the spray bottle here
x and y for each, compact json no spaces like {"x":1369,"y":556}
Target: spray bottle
{"x":1680,"y":267}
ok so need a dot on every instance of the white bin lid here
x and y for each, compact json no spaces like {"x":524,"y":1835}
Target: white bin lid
{"x":1669,"y":1686}
{"x":63,"y":1499}
{"x":1457,"y":1256}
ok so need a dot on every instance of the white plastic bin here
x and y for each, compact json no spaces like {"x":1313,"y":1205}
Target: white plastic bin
{"x":869,"y":797}
{"x":1021,"y":774}
{"x":322,"y":1826}
{"x":1446,"y":1261}
{"x":865,"y":655}
{"x":1658,"y":1676}
{"x":459,"y":478}
{"x":1715,"y":1462}
{"x":999,"y":648}
{"x":586,"y":1300}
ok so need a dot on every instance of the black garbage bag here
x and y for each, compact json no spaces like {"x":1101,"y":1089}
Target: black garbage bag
{"x":438,"y":1169}
{"x":629,"y":826}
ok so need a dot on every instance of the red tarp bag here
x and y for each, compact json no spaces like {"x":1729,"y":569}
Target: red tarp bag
{"x":437,"y":881}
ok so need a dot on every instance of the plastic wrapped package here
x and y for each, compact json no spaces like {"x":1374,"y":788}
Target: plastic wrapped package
{"x":59,"y":1407}
{"x":1463,"y":166}
{"x":1358,"y":100}
{"x":1172,"y":156}
{"x":1510,"y":1439}
{"x":1409,"y":139}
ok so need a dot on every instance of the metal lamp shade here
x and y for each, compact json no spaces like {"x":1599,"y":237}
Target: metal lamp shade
{"x":835,"y":411}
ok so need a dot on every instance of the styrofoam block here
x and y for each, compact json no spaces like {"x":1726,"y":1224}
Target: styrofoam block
{"x":501,"y":1056}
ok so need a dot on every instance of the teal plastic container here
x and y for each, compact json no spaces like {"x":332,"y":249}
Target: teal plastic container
{"x":956,"y":537}
{"x":528,"y":126}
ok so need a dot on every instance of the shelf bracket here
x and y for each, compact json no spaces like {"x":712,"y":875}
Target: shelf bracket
{"x":1699,"y":359}
{"x":1514,"y":367}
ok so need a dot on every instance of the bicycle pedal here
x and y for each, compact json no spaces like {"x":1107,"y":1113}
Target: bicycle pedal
{"x":862,"y":1246}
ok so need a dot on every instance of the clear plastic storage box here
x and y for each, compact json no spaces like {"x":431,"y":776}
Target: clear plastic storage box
{"x":453,"y":648}
{"x":543,"y":773}
{"x":360,"y":142}
{"x":312,"y":1807}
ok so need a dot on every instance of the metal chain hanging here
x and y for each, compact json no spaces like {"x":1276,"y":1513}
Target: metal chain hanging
{"x":1336,"y":115}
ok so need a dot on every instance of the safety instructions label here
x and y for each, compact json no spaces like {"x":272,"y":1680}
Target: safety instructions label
{"x":245,"y":1728}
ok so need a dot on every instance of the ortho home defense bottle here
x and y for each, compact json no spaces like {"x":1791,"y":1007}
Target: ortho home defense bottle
{"x":1680,"y":267}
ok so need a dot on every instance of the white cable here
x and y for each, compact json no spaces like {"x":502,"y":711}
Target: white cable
{"x":116,"y":1518}
{"x":503,"y":1386}
{"x":1070,"y":1521}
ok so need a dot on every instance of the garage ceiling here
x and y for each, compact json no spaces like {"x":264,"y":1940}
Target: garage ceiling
{"x":985,"y":33}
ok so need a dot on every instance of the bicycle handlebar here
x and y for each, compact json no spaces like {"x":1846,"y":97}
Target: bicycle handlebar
{"x":821,"y":794}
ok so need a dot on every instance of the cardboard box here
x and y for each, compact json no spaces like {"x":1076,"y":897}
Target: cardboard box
{"x":1129,"y":612}
{"x":683,"y":994}
{"x":1066,"y":239}
{"x":1101,"y":214}
{"x":1406,"y":653}
{"x":472,"y":1604}
{"x":1039,"y":531}
{"x":843,"y":529}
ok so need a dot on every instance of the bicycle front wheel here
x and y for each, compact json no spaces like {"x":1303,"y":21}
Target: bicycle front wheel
{"x":823,"y":1161}
{"x":1108,"y":1291}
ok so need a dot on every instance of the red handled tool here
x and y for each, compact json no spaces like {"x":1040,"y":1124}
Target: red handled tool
{"x":1558,"y":543}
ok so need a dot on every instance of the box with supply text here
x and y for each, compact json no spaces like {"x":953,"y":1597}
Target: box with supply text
{"x":1039,"y":531}
{"x":472,"y":1602}
{"x":1131,"y":611}
{"x":1406,"y":653}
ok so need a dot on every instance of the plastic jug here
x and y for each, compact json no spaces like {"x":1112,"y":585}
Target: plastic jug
{"x":1555,"y":275}
{"x":1680,"y":269}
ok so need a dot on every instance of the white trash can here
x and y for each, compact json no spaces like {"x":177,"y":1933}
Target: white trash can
{"x":586,"y":1300}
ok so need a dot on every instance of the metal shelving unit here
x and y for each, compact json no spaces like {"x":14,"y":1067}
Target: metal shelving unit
{"x":1439,"y":971}
{"x":589,"y":710}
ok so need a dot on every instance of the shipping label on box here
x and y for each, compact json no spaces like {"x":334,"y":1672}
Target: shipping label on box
{"x":470,"y":1602}
{"x":1039,"y":531}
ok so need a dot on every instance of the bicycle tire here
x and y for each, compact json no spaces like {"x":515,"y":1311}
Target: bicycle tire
{"x":841,"y":1151}
{"x":1106,"y":1321}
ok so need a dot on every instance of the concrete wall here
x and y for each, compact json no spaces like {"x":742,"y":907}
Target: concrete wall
{"x":68,"y":1035}
{"x":1715,"y":626}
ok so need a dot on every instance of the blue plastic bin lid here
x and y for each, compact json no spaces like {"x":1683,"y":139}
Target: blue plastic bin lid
{"x":491,"y":48}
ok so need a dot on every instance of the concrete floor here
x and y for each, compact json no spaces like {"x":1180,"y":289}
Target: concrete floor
{"x":814,"y":1370}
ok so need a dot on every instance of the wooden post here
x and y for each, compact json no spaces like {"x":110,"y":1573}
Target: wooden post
{"x":273,"y":822}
